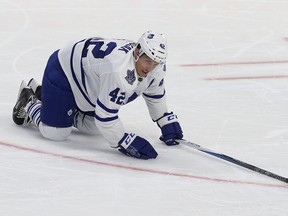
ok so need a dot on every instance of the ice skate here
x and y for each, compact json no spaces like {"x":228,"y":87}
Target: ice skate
{"x":36,"y":88}
{"x":20,"y":116}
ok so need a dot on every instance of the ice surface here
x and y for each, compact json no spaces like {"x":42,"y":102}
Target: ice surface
{"x":227,"y":81}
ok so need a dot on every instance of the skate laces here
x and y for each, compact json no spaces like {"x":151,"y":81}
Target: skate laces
{"x":22,"y":113}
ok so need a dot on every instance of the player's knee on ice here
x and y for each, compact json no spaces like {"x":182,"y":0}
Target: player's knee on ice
{"x":53,"y":133}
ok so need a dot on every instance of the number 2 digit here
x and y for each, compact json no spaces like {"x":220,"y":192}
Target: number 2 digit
{"x":98,"y":53}
{"x":95,"y":47}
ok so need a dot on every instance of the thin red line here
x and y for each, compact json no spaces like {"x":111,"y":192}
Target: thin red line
{"x":235,"y":63}
{"x":138,"y":168}
{"x":247,"y":78}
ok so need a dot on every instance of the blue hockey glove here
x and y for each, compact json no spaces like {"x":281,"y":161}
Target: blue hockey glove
{"x":135,"y":146}
{"x":170,"y":129}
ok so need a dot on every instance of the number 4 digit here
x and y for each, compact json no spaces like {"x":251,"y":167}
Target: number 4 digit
{"x":114,"y":94}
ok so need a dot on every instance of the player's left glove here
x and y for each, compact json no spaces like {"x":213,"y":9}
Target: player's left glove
{"x":135,"y":146}
{"x":170,"y":129}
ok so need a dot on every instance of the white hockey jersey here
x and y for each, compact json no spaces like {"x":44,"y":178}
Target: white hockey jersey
{"x":103,"y":78}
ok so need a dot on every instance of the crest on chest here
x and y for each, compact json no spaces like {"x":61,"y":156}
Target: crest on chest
{"x":130,"y":78}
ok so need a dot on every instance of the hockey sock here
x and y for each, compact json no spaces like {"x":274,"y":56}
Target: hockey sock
{"x":33,"y":109}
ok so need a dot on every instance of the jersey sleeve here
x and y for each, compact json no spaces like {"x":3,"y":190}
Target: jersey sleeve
{"x":155,"y":95}
{"x":110,"y":99}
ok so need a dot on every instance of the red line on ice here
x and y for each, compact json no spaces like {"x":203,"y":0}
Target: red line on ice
{"x":247,"y":77}
{"x":138,"y":168}
{"x":235,"y":63}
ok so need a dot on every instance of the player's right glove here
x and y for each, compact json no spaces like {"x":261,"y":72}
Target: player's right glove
{"x":170,"y":129}
{"x":135,"y":146}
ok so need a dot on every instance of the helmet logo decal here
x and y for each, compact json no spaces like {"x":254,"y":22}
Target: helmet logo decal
{"x":150,"y":36}
{"x":130,"y":78}
{"x":162,"y":46}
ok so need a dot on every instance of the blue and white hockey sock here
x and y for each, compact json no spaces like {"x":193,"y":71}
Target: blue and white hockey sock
{"x":33,"y":109}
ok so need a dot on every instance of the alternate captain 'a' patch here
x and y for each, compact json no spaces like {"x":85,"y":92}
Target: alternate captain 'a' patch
{"x":130,"y":78}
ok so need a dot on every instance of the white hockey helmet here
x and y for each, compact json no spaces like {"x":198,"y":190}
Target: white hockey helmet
{"x":154,"y":45}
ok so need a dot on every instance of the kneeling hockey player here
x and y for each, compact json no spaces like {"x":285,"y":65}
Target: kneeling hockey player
{"x":85,"y":84}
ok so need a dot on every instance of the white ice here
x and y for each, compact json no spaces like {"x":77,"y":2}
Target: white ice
{"x":244,"y":115}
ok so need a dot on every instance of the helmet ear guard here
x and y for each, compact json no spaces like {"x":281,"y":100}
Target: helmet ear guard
{"x":137,"y":52}
{"x":154,"y":45}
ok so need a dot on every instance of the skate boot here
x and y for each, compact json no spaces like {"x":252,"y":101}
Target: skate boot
{"x":36,"y":88}
{"x":20,"y":116}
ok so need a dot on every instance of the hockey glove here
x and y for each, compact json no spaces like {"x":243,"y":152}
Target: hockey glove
{"x":170,"y":129}
{"x":135,"y":146}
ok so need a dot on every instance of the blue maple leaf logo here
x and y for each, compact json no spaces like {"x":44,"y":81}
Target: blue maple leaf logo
{"x":130,"y":78}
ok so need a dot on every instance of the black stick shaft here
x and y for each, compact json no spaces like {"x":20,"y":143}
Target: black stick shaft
{"x":235,"y":161}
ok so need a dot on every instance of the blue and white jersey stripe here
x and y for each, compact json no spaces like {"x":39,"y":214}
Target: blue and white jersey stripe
{"x":105,"y":114}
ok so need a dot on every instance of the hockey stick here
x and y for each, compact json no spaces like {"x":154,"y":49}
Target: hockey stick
{"x":233,"y":160}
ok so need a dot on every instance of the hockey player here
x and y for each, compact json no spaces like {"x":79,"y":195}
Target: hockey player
{"x":85,"y":84}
